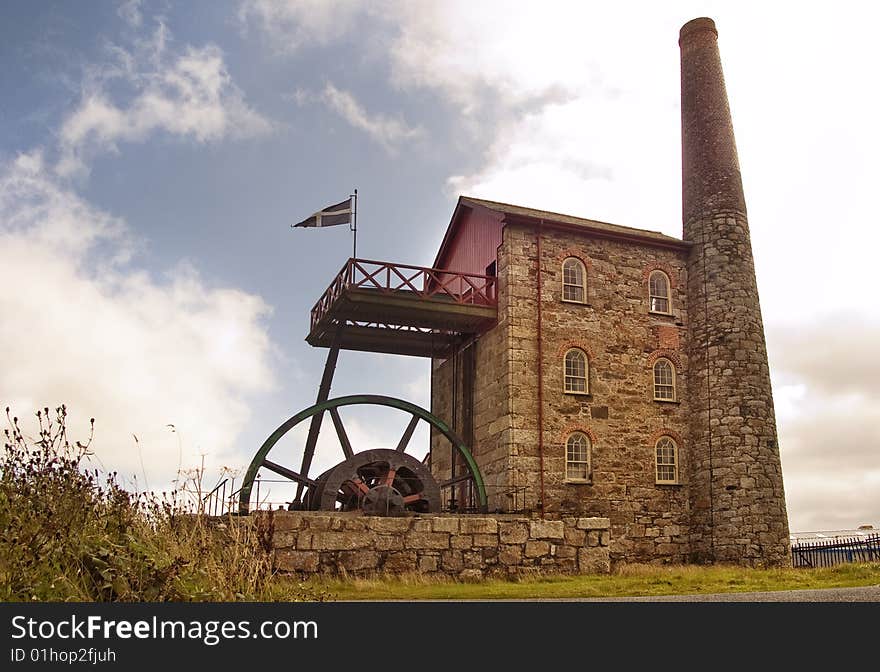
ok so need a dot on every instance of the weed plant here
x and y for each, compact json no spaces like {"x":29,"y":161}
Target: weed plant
{"x":69,"y":533}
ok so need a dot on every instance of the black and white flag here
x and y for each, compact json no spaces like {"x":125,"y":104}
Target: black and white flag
{"x":332,"y":215}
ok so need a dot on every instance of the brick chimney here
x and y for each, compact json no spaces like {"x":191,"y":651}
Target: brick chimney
{"x":737,"y":497}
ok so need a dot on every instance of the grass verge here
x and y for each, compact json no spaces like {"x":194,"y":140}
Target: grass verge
{"x":628,"y":581}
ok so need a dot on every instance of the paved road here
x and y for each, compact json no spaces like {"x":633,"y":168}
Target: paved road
{"x":861,"y":594}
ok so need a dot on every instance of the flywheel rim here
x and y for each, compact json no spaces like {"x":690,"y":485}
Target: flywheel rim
{"x":418,"y":413}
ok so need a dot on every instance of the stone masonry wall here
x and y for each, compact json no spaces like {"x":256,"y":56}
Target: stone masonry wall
{"x":737,"y":494}
{"x":650,"y":521}
{"x":490,"y":443}
{"x":729,"y":503}
{"x":736,"y":490}
{"x":463,"y":547}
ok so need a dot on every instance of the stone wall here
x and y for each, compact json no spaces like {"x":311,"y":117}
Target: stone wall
{"x":622,"y":338}
{"x":738,"y":499}
{"x":737,"y":492}
{"x":649,"y":521}
{"x":490,"y":435}
{"x":463,"y":547}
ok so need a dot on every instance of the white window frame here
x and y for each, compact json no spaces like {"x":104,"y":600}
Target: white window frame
{"x":656,"y":296}
{"x":585,"y":467}
{"x":671,"y":386}
{"x":572,"y":377}
{"x":582,"y":271}
{"x":668,"y":442}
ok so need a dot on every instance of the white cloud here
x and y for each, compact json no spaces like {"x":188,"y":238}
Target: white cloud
{"x":35,"y":208}
{"x":130,"y":12}
{"x":387,"y":131}
{"x":580,"y":157}
{"x":483,"y":53}
{"x":84,"y":327}
{"x":469,"y":52}
{"x":827,"y":394}
{"x":532,"y":90}
{"x":292,"y":24}
{"x":188,"y":94}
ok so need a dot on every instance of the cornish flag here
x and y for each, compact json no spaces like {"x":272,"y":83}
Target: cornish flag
{"x":332,"y":215}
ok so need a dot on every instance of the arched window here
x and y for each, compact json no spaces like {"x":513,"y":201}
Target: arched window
{"x":666,"y":459}
{"x":658,"y":292}
{"x":576,"y":372}
{"x":664,"y":380}
{"x":577,"y":457}
{"x":574,"y":277}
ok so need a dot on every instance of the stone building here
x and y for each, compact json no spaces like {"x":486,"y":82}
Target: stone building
{"x":626,"y":376}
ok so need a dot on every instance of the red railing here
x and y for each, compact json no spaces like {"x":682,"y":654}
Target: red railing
{"x":426,"y":283}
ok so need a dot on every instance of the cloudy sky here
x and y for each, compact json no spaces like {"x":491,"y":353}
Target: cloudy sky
{"x":154,"y":154}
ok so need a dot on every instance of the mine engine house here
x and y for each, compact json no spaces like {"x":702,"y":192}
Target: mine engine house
{"x":578,"y":368}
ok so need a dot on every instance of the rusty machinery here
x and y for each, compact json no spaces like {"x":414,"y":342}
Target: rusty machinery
{"x":379,"y":481}
{"x":396,"y":309}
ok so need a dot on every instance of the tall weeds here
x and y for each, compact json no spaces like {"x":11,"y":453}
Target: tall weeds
{"x":69,"y":533}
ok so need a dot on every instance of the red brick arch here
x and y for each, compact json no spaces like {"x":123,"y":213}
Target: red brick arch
{"x":671,"y":273}
{"x":671,"y":355}
{"x":571,"y":429}
{"x":671,"y":433}
{"x":577,"y":254}
{"x":580,"y":345}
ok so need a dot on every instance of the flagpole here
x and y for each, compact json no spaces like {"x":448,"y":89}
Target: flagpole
{"x":355,"y":227}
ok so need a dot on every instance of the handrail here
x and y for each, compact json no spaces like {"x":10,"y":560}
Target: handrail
{"x":217,"y":497}
{"x":426,"y":283}
{"x":217,"y":502}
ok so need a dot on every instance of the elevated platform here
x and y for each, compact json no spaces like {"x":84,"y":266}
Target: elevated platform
{"x":403,"y":310}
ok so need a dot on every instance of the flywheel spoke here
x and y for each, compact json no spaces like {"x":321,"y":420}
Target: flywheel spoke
{"x":407,"y":434}
{"x":340,"y":432}
{"x":358,"y":484}
{"x":288,"y":473}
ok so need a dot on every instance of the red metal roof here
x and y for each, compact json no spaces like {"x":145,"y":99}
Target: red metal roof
{"x":468,"y":210}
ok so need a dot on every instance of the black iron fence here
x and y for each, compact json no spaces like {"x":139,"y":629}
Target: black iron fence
{"x":828,"y":552}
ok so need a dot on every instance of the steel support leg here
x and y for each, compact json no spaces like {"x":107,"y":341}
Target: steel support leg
{"x":315,"y":426}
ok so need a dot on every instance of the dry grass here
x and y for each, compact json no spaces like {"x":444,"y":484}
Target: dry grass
{"x":68,"y":533}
